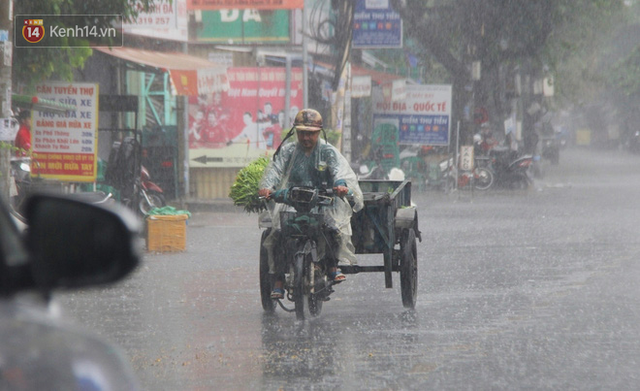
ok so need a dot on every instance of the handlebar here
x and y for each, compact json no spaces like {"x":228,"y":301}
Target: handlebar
{"x":307,"y":197}
{"x":303,"y":195}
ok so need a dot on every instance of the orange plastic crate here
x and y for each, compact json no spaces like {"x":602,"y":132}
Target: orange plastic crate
{"x":167,"y":233}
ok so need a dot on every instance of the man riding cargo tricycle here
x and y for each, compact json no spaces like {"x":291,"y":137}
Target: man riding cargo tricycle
{"x":318,"y":218}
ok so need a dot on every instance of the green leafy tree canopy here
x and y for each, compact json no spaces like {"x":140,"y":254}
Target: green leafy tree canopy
{"x":33,"y":65}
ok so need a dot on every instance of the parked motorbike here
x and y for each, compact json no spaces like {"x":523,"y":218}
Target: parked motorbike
{"x":441,"y":175}
{"x":551,"y":149}
{"x":510,"y":169}
{"x":374,"y":169}
{"x":21,"y":183}
{"x":150,"y":194}
{"x":24,"y":185}
{"x":481,"y":178}
{"x":306,"y":275}
{"x":550,"y":143}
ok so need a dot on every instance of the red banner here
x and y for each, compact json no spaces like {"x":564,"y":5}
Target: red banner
{"x":63,"y":164}
{"x":185,"y":82}
{"x":214,"y":5}
{"x":250,"y":113}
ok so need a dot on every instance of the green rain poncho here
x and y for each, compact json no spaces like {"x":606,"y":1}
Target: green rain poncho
{"x":291,"y":167}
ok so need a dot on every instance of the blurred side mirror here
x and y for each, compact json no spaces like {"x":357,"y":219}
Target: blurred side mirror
{"x":74,"y":244}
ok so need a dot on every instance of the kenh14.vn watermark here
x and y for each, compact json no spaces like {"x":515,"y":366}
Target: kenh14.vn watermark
{"x":51,"y":31}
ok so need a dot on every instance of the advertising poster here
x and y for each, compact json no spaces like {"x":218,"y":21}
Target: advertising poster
{"x":64,"y":146}
{"x":423,"y":117}
{"x":233,"y":127}
{"x":376,"y":25}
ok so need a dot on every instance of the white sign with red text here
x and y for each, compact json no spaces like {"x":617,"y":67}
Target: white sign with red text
{"x":360,"y":86}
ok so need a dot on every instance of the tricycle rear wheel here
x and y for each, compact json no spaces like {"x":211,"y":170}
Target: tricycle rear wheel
{"x":266,"y":283}
{"x":409,"y":269}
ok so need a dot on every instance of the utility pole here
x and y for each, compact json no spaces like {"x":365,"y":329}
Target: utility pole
{"x":305,"y":56}
{"x":6,"y":46}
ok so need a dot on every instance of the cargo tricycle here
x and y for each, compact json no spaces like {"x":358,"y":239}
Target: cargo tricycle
{"x":387,"y":225}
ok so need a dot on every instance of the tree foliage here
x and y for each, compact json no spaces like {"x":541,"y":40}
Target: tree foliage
{"x":560,"y":38}
{"x":32,"y":65}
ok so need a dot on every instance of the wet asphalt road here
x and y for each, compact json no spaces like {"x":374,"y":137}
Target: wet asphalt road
{"x":518,"y":290}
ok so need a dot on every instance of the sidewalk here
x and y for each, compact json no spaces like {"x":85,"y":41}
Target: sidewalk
{"x":218,"y":205}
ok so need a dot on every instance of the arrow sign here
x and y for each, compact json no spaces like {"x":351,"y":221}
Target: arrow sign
{"x":206,"y":159}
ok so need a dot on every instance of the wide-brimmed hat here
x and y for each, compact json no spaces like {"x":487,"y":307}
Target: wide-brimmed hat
{"x":308,"y":120}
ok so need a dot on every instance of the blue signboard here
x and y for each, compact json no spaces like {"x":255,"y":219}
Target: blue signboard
{"x":414,"y":129}
{"x":425,"y":129}
{"x":376,"y":25}
{"x":423,"y":117}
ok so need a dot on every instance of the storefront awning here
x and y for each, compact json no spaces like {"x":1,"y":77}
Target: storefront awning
{"x":379,"y":78}
{"x":190,"y":75}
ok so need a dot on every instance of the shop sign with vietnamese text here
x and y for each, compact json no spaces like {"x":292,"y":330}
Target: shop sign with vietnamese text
{"x":202,"y":5}
{"x":64,"y":146}
{"x":244,"y":26}
{"x":166,"y":19}
{"x":376,"y":25}
{"x":423,"y":117}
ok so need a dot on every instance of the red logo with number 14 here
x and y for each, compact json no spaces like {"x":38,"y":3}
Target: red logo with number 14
{"x":33,"y":30}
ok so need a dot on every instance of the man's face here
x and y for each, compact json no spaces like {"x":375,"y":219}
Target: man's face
{"x":308,"y":139}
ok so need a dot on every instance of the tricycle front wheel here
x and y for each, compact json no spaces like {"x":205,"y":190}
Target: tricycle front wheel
{"x":409,"y":269}
{"x":315,"y":304}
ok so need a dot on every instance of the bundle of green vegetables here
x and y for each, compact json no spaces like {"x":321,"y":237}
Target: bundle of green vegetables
{"x":244,"y":191}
